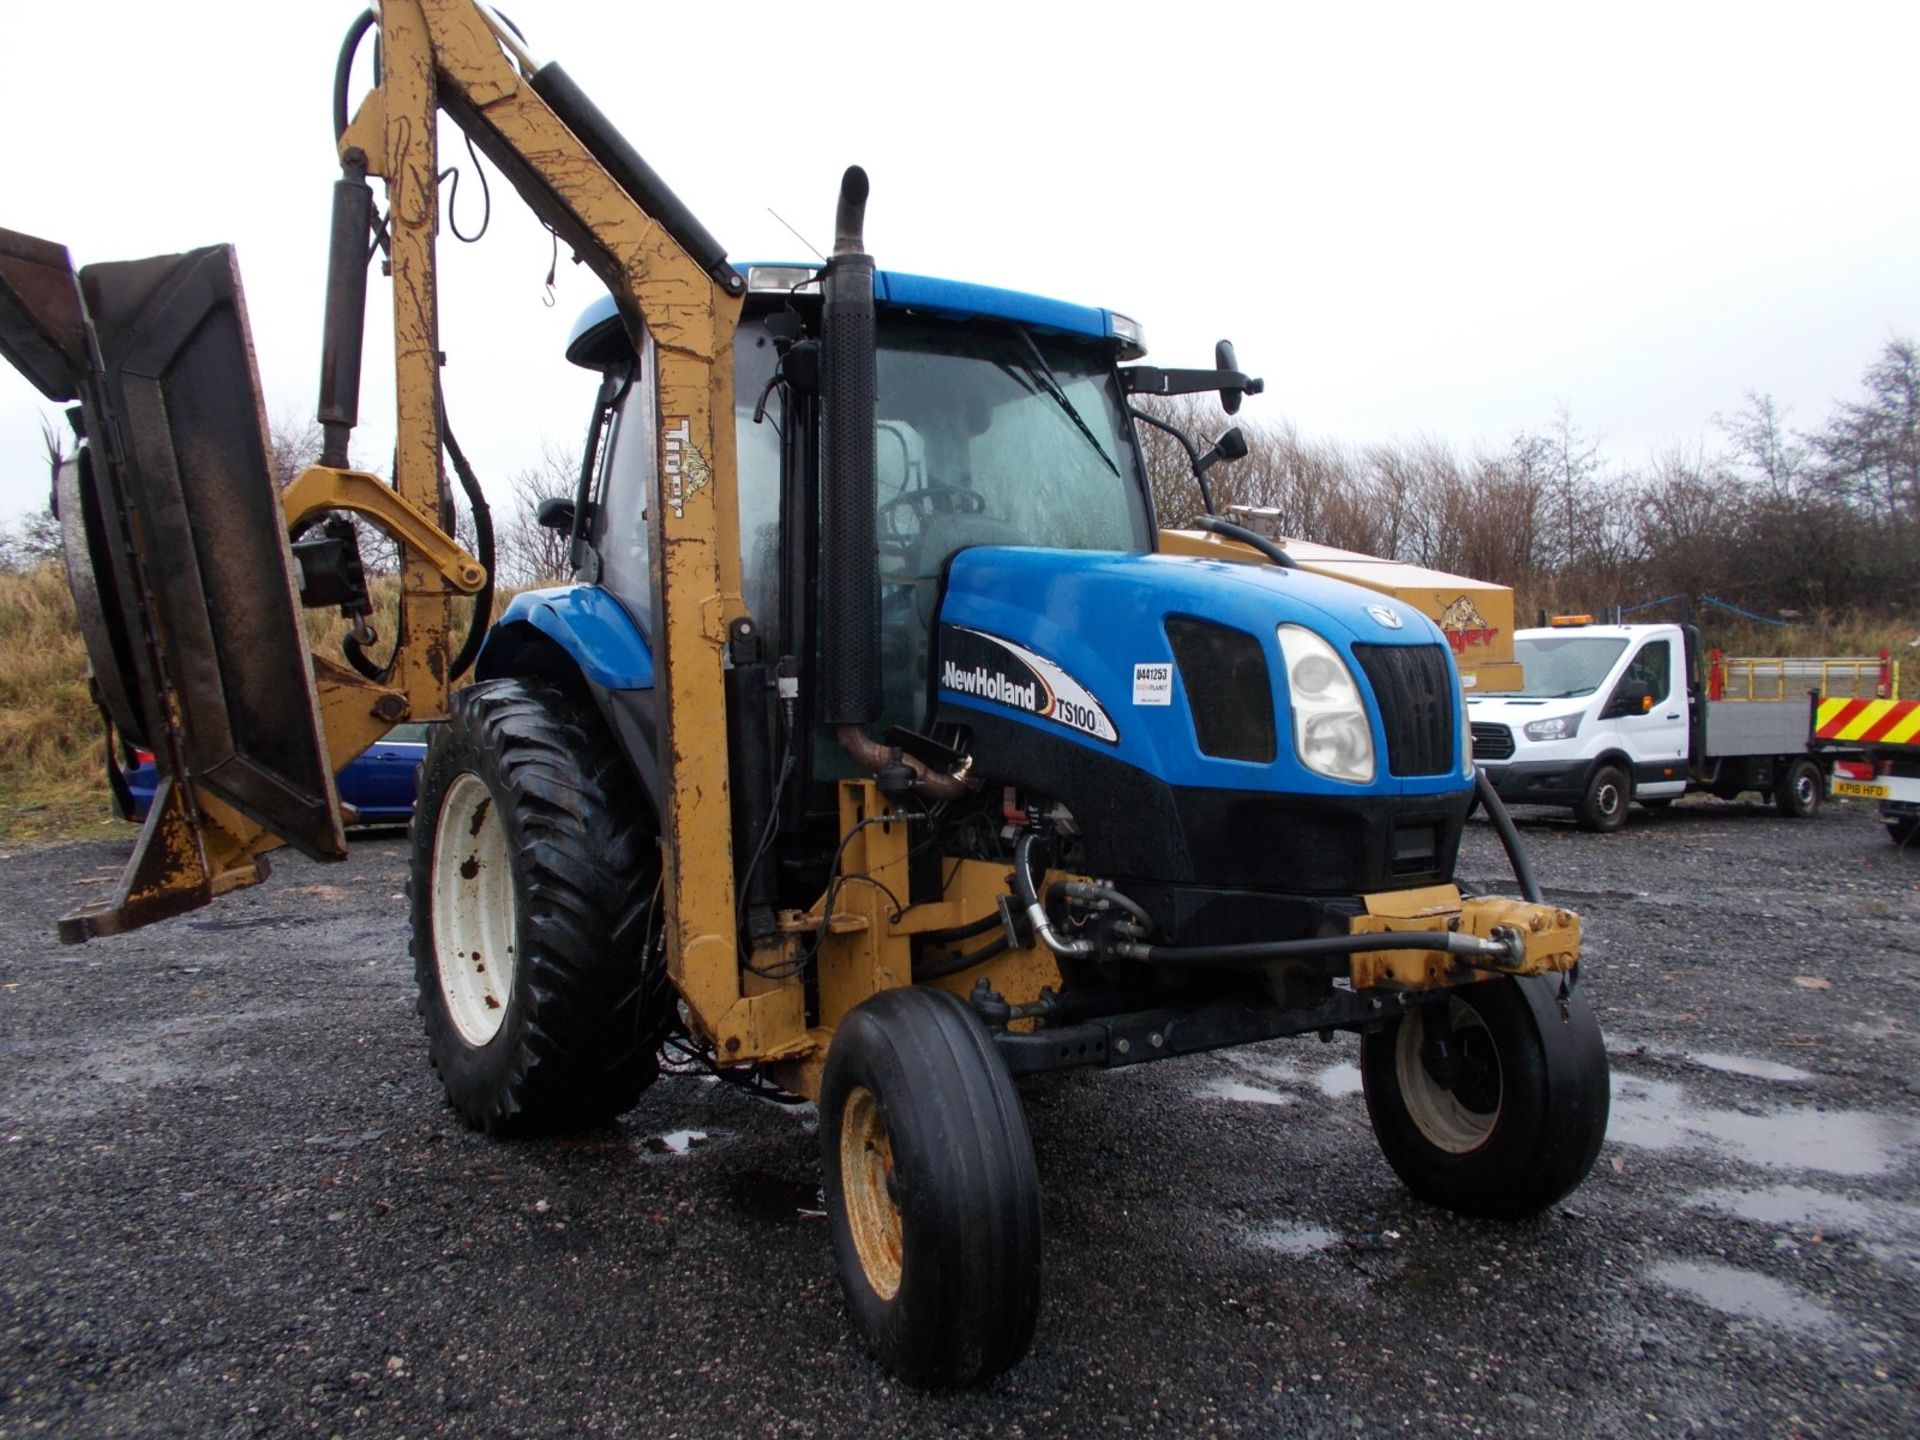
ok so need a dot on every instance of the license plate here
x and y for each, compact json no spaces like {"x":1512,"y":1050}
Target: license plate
{"x":1860,"y":789}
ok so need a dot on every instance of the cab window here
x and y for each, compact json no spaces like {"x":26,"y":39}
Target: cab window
{"x":1652,"y":667}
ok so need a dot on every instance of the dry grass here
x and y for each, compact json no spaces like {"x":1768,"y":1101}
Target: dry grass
{"x":52,"y":747}
{"x":52,"y":744}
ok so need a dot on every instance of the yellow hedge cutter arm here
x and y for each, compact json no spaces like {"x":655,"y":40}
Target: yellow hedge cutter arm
{"x":177,"y":542}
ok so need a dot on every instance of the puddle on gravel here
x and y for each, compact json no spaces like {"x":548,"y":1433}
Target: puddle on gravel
{"x":1743,"y":1295}
{"x":1334,"y":1081}
{"x":674,"y":1142}
{"x":1891,"y":1229}
{"x":1745,"y":1066}
{"x":777,"y":1200}
{"x":1752,"y":1069}
{"x":1338,"y":1080}
{"x":1246,"y":1094}
{"x":1659,"y":1115}
{"x":1290,"y":1237}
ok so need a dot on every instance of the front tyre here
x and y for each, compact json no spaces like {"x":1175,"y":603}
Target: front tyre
{"x":1603,"y":808}
{"x":1797,"y":796}
{"x":932,"y":1193}
{"x":532,"y":877}
{"x":1505,"y":1118}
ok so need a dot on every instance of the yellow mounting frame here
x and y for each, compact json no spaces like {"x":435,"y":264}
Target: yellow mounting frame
{"x":449,"y":56}
{"x":446,"y":55}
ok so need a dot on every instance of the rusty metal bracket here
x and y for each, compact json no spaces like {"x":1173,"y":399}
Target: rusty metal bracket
{"x":182,"y":860}
{"x":321,"y":487}
{"x":1549,"y":936}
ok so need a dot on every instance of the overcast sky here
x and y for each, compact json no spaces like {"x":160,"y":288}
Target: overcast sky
{"x":1442,"y":220}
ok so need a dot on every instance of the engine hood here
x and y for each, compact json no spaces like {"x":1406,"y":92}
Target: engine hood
{"x":1076,"y":645}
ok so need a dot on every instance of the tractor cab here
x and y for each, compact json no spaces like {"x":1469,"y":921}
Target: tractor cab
{"x":1001,"y":421}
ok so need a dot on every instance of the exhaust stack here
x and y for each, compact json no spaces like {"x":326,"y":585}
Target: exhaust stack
{"x":850,"y":582}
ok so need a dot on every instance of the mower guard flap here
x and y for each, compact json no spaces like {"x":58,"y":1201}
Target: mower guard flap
{"x":175,"y":538}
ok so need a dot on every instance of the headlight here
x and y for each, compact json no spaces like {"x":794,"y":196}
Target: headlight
{"x":1330,"y":730}
{"x":1560,"y":727}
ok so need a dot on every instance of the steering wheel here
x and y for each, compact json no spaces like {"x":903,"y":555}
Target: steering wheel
{"x":902,"y":518}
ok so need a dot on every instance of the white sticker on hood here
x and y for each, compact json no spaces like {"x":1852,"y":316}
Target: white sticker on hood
{"x":1153,"y":684}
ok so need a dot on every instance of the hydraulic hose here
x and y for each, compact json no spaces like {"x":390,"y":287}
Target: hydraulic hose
{"x":970,"y":931}
{"x":1260,"y":952}
{"x":1509,"y":837}
{"x":483,"y":536}
{"x":343,"y":69}
{"x":1036,"y":913}
{"x":954,"y":964}
{"x":1253,"y":538}
{"x":1082,"y":890}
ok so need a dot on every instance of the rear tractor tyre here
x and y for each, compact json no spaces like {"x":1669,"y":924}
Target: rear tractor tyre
{"x":1798,"y":794}
{"x":532,"y":878}
{"x":1603,"y":809}
{"x":1512,"y":1119}
{"x":931,"y":1189}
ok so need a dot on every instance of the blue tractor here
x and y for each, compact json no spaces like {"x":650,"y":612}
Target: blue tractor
{"x":884,"y":746}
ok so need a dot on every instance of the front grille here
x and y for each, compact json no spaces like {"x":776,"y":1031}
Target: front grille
{"x":1224,"y":672}
{"x":1491,"y":742}
{"x":1413,"y":685}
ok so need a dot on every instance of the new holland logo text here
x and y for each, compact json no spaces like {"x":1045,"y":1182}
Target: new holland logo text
{"x":994,"y":671}
{"x":991,"y":685}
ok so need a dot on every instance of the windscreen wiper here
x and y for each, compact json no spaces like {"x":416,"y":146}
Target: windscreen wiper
{"x":1050,"y":383}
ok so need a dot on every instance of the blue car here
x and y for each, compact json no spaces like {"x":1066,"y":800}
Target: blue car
{"x":378,"y":784}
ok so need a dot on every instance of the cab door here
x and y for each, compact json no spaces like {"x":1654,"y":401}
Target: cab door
{"x":1648,"y":709}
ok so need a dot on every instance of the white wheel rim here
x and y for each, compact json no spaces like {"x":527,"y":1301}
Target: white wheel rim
{"x":1608,"y":799}
{"x":1437,"y":1112}
{"x":474,"y":911}
{"x":1805,"y":789}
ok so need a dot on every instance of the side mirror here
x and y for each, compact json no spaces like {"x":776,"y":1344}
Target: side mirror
{"x":1230,"y":446}
{"x":1230,"y":396}
{"x":555,"y":513}
{"x":1634,"y":697}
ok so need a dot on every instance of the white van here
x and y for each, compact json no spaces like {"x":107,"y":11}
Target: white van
{"x":1611,"y":714}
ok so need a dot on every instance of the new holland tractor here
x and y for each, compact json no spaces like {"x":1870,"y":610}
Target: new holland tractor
{"x":882,"y":745}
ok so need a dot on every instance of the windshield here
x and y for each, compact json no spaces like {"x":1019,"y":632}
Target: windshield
{"x":1559,"y":666}
{"x":999,"y":437}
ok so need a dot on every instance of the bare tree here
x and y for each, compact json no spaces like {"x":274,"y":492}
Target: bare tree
{"x":34,"y":539}
{"x":527,"y":553}
{"x":1764,"y":448}
{"x":292,"y":445}
{"x":1871,"y":450}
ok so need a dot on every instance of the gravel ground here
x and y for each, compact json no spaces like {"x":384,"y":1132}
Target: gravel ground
{"x":235,"y":1203}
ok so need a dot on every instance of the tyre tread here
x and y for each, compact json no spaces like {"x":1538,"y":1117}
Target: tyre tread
{"x":581,"y":837}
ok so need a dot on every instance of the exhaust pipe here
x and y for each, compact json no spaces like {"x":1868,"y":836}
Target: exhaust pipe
{"x":850,"y":559}
{"x":850,"y":579}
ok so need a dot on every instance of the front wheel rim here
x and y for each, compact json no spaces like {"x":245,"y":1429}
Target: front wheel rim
{"x":475,"y":911}
{"x":1607,"y":801}
{"x":1438,"y":1113}
{"x":866,"y":1184}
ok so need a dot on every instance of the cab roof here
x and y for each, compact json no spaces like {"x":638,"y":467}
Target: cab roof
{"x":597,"y":336}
